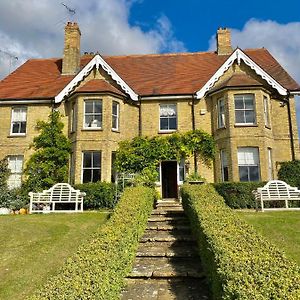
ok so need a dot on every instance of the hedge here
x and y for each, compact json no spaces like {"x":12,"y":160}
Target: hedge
{"x":239,"y":262}
{"x":290,"y":172}
{"x":98,"y":194}
{"x":98,"y":268}
{"x":238,"y":194}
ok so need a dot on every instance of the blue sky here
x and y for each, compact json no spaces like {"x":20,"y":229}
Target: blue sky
{"x":35,"y":28}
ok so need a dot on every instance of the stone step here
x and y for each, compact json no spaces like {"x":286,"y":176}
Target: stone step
{"x":169,"y":212}
{"x":165,"y":289}
{"x":168,"y":204}
{"x":167,"y":225}
{"x":166,"y":236}
{"x":162,"y":267}
{"x":164,"y":218}
{"x":167,"y":249}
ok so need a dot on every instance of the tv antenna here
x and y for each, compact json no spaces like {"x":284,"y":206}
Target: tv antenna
{"x":71,"y":11}
{"x":11,"y":57}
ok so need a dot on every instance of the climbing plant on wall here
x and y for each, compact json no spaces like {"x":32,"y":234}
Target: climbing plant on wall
{"x":143,"y":153}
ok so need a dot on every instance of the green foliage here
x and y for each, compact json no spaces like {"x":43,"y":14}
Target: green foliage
{"x":12,"y":199}
{"x":290,"y":172}
{"x":98,"y":268}
{"x":238,"y":194}
{"x":4,"y":173}
{"x":143,"y":152}
{"x":49,"y":163}
{"x":98,"y":194}
{"x":194,"y":177}
{"x":239,"y":262}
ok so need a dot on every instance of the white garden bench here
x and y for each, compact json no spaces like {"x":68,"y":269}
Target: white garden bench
{"x":62,"y":194}
{"x":276,"y":190}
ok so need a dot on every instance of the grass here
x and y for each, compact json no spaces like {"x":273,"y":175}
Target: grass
{"x":33,"y":247}
{"x":281,"y":228}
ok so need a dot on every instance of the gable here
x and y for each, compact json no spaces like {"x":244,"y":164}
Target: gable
{"x":238,"y":55}
{"x":96,"y":62}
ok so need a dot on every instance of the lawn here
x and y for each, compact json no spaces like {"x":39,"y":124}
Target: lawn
{"x":33,"y":247}
{"x":280,"y":227}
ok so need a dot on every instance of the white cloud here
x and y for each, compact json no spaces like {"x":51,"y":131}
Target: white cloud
{"x":37,"y":30}
{"x":282,"y":41}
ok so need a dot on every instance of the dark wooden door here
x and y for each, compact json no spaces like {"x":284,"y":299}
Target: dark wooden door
{"x":169,"y":179}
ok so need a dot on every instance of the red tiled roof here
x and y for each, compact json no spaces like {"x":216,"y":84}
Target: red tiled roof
{"x":159,"y":74}
{"x":98,"y":85}
{"x":237,"y":80}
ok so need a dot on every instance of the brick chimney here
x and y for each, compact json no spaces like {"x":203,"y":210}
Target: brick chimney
{"x":71,"y":59}
{"x":224,"y":41}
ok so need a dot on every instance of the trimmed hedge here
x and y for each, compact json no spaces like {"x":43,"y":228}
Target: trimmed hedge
{"x":98,"y":268}
{"x":98,"y":194}
{"x":290,"y":172}
{"x":239,"y":262}
{"x":238,"y":194}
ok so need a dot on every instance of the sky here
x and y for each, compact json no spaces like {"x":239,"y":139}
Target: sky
{"x":35,"y":28}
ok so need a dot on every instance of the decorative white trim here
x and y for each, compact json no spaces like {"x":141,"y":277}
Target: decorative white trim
{"x":97,"y":61}
{"x":239,"y":55}
{"x":297,"y":93}
{"x":15,"y":101}
{"x":171,"y":97}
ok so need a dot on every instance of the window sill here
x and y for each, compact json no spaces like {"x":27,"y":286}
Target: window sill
{"x":115,"y":130}
{"x":92,"y":129}
{"x":245,"y":125}
{"x":13,"y":135}
{"x":167,"y":131}
{"x":221,"y":128}
{"x":268,"y":127}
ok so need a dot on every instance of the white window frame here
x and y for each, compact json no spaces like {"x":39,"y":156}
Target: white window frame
{"x":221,"y":114}
{"x":224,"y":164}
{"x":14,"y":173}
{"x":115,"y":116}
{"x":13,"y":111}
{"x":181,"y":166}
{"x":91,"y":168}
{"x":244,"y":109}
{"x":85,"y":114}
{"x":255,"y":152}
{"x":73,"y":117}
{"x":270,"y":164}
{"x":168,"y":117}
{"x":266,"y":111}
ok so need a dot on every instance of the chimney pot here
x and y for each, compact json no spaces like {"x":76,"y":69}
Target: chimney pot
{"x":224,"y":41}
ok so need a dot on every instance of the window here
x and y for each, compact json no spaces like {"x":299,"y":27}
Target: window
{"x":15,"y":165}
{"x":91,"y":166}
{"x":18,"y":121}
{"x":266,"y":111}
{"x":270,"y":164}
{"x":115,"y":115}
{"x":244,"y":109}
{"x":248,"y":161}
{"x":73,"y":118}
{"x":113,"y":167}
{"x":221,"y":113}
{"x":92,"y":113}
{"x":168,"y":117}
{"x":181,"y":168}
{"x":224,"y":165}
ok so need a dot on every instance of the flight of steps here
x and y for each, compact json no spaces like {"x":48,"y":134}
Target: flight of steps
{"x":167,"y":265}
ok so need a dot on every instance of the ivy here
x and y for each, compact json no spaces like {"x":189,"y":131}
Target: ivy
{"x":134,"y":156}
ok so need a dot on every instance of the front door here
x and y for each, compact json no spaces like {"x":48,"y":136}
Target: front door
{"x":169,"y":179}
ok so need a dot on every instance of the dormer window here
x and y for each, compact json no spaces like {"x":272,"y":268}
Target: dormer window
{"x":244,"y":109}
{"x":93,"y":114}
{"x":18,"y":121}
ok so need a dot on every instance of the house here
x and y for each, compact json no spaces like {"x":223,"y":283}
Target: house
{"x":244,"y":98}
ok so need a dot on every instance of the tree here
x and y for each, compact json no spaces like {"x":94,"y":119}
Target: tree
{"x":4,"y":173}
{"x":49,"y":163}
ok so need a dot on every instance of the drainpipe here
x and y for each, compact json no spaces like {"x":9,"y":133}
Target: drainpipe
{"x":290,"y":126}
{"x":194,"y":127}
{"x":140,"y":115}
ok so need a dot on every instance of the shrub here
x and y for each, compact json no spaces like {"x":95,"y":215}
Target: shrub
{"x":239,"y":262}
{"x":98,"y":268}
{"x":290,"y":172}
{"x":98,"y":194}
{"x":4,"y":173}
{"x":238,"y":194}
{"x":12,"y":199}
